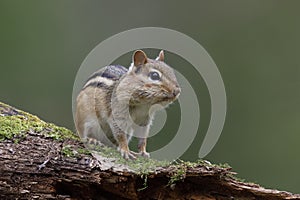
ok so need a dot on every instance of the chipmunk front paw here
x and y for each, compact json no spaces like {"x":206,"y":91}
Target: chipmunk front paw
{"x":144,"y":154}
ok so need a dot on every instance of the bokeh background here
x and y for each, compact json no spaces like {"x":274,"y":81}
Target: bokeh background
{"x":255,"y":44}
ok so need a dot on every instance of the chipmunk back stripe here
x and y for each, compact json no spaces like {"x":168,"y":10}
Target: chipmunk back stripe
{"x":114,"y":72}
{"x":106,"y":76}
{"x":96,"y":84}
{"x":100,"y":79}
{"x":93,"y":76}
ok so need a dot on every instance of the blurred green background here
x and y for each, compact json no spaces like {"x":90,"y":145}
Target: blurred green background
{"x":255,"y":44}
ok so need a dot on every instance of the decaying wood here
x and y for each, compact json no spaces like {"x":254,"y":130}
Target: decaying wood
{"x":36,"y":168}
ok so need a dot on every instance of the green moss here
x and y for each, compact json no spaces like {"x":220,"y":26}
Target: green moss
{"x":144,"y":166}
{"x":73,"y":151}
{"x":10,"y":129}
{"x":106,"y":151}
{"x":68,"y":151}
{"x":16,"y":127}
{"x":59,"y":133}
{"x":140,"y":165}
{"x":84,"y":151}
{"x":178,"y":175}
{"x":181,"y":168}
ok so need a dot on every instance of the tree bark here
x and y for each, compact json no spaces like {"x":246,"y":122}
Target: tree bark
{"x":36,"y":166}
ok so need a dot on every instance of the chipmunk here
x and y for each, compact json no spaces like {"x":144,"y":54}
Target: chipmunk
{"x":116,"y":101}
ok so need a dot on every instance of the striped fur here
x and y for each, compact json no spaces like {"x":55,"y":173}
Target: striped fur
{"x":116,"y":101}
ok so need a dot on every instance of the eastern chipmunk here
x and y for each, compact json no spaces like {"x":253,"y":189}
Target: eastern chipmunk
{"x":115,"y":101}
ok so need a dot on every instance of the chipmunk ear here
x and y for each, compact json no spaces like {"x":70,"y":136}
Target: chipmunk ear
{"x":139,"y":58}
{"x":161,"y":56}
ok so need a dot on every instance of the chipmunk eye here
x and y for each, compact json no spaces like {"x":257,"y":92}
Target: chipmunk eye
{"x":154,"y":76}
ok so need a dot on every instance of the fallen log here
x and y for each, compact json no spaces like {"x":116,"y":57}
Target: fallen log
{"x":40,"y":160}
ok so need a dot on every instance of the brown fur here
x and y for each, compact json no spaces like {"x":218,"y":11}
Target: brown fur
{"x":111,"y":112}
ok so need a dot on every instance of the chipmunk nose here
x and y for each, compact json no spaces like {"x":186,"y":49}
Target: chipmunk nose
{"x":176,"y":91}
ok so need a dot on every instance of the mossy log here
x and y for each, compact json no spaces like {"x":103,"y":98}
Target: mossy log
{"x":39,"y":160}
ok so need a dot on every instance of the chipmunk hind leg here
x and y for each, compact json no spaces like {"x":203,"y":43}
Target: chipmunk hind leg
{"x":92,"y":133}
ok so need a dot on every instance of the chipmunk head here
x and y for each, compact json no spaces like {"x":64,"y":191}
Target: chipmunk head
{"x":155,"y":81}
